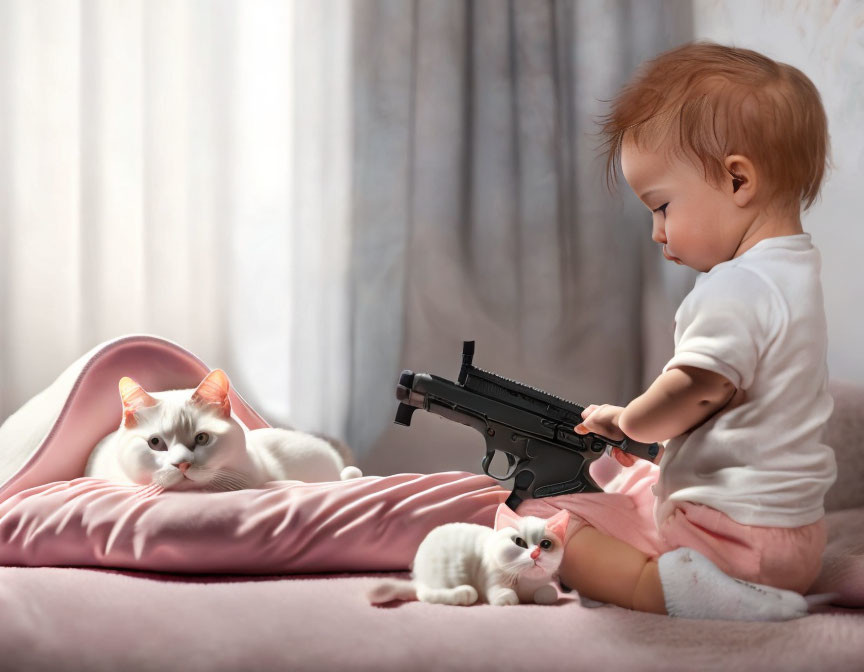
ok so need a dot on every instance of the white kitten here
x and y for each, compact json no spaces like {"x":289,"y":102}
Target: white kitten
{"x":460,"y":563}
{"x":188,"y":440}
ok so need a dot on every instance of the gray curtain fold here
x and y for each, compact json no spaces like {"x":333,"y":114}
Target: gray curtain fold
{"x":481,"y":213}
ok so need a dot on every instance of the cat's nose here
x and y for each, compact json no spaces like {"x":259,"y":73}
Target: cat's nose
{"x":183,"y":466}
{"x":535,"y":553}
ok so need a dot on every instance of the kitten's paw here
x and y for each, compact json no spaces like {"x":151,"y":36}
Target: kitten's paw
{"x":460,"y":595}
{"x":350,"y":472}
{"x":546,"y":595}
{"x":465,"y":595}
{"x":504,"y":598}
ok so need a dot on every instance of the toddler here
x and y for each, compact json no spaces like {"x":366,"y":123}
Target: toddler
{"x":723,"y":146}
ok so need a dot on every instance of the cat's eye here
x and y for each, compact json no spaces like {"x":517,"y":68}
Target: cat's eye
{"x":545,"y":544}
{"x":519,"y":541}
{"x":201,"y":438}
{"x":156,"y":443}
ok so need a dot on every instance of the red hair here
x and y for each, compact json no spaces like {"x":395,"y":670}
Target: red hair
{"x":705,"y":101}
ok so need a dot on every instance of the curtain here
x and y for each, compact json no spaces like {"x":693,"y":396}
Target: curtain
{"x":479,"y":189}
{"x":316,"y":195}
{"x":181,"y":169}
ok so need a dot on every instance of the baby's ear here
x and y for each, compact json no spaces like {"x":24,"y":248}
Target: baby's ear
{"x":134,"y":397}
{"x":505,"y":517}
{"x":213,"y":390}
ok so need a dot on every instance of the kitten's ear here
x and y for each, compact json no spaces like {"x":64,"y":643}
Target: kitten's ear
{"x":505,"y":517}
{"x":134,"y":397}
{"x":557,"y":524}
{"x":214,"y":390}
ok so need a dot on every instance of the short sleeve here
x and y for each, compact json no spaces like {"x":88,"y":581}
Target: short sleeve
{"x":725,"y":324}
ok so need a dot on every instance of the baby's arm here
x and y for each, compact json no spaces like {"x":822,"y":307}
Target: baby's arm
{"x":677,"y":401}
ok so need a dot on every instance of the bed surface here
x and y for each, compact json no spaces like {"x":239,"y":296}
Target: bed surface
{"x":94,"y":619}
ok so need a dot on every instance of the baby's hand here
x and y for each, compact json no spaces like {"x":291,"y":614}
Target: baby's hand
{"x":603,"y":420}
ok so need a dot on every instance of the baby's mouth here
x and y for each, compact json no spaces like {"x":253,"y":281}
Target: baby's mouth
{"x":670,"y":257}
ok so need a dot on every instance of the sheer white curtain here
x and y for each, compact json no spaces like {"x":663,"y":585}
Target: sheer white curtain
{"x":181,"y":169}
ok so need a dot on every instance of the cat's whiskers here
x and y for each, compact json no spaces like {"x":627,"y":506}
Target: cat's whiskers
{"x":228,"y":479}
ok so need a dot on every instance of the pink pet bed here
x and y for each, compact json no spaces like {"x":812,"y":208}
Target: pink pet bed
{"x":50,"y":515}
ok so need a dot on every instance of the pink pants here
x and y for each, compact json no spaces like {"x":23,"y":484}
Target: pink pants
{"x":789,"y":558}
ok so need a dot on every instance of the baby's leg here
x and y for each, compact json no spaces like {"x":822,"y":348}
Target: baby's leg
{"x":609,"y":570}
{"x":606,"y":569}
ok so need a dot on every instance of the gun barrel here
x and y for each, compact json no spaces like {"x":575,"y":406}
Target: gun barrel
{"x":428,"y":390}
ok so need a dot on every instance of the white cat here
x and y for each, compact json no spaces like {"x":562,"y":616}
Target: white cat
{"x":460,"y":563}
{"x":188,"y":440}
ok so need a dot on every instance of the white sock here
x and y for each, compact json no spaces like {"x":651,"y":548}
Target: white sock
{"x":694,"y":587}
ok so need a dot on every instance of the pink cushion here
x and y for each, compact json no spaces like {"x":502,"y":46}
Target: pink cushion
{"x":369,"y":523}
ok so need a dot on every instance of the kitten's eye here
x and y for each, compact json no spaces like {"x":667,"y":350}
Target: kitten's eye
{"x":545,"y":544}
{"x":201,"y":438}
{"x":519,"y":541}
{"x":156,"y":443}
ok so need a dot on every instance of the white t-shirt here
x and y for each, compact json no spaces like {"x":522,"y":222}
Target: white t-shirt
{"x":759,"y":321}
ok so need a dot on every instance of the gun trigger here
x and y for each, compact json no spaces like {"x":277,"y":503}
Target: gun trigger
{"x":486,"y":461}
{"x":512,"y":466}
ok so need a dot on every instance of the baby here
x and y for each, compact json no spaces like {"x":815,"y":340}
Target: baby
{"x":723,"y":146}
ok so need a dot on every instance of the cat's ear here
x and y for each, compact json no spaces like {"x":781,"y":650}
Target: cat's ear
{"x":557,"y":524}
{"x":134,"y":397}
{"x":213,"y":390}
{"x":505,"y":517}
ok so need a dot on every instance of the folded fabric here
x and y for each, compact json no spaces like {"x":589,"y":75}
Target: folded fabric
{"x":50,"y":437}
{"x":369,"y":523}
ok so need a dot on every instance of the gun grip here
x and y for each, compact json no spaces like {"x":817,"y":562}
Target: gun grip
{"x":403,"y":414}
{"x":513,"y":501}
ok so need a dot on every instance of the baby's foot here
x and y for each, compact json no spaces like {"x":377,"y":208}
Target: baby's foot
{"x":694,"y":587}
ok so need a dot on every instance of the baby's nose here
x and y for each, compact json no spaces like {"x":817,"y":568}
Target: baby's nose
{"x":658,"y":235}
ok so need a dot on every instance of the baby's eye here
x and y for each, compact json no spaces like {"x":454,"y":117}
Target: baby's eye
{"x":156,"y":443}
{"x":201,"y":438}
{"x":519,"y":541}
{"x":662,"y":209}
{"x":545,"y":544}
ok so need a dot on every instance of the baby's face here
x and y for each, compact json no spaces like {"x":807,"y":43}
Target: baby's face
{"x":698,"y":224}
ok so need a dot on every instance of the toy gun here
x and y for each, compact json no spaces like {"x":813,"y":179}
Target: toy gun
{"x":535,"y":430}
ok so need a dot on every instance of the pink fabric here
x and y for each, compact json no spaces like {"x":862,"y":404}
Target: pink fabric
{"x":626,"y":514}
{"x":369,"y":523}
{"x":787,"y":558}
{"x":782,"y":557}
